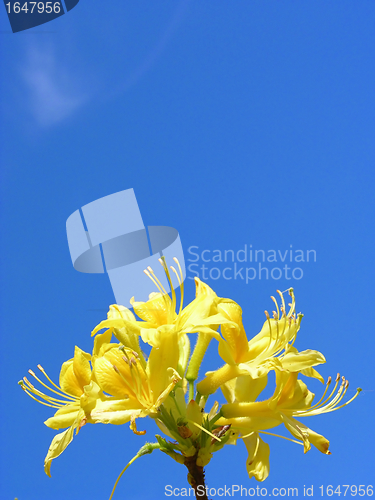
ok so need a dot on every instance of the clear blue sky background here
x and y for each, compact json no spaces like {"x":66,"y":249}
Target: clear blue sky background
{"x":247,"y":122}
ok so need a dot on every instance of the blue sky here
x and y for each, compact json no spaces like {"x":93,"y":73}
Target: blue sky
{"x":238,"y":123}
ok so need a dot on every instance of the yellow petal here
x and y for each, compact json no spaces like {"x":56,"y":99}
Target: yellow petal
{"x":82,"y":367}
{"x":257,"y":463}
{"x":184,"y":353}
{"x":226,"y":353}
{"x":101,"y":343}
{"x":118,"y":323}
{"x":302,"y":398}
{"x":255,"y":409}
{"x":116,"y":311}
{"x":194,"y":413}
{"x":202,"y":307}
{"x":151,"y":336}
{"x":295,"y":362}
{"x":300,"y":431}
{"x":228,"y":389}
{"x":116,"y":412}
{"x":160,"y":360}
{"x":128,"y":334}
{"x":90,"y":396}
{"x":297,"y":430}
{"x":311,"y":372}
{"x":157,"y":311}
{"x":202,"y":288}
{"x":120,"y":385}
{"x":215,"y":379}
{"x":245,"y":425}
{"x":248,"y":389}
{"x":64,"y":417}
{"x":58,"y":445}
{"x":234,"y":334}
{"x":76,"y":373}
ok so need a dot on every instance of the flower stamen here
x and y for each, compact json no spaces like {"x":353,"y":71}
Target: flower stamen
{"x":165,"y":267}
{"x":67,"y":396}
{"x":330,"y":404}
{"x":181,"y":284}
{"x":51,"y":381}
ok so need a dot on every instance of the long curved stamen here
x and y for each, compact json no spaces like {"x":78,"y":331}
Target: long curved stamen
{"x":166,"y":270}
{"x":270,"y":329}
{"x":52,"y":382}
{"x":277,"y":306}
{"x":359,"y":390}
{"x":300,"y":316}
{"x":135,"y":385}
{"x":154,"y":281}
{"x":129,"y":386}
{"x":177,"y":276}
{"x":41,"y":394}
{"x":67,"y":396}
{"x":35,"y":399}
{"x":330,"y":404}
{"x":282,"y":299}
{"x":136,"y":382}
{"x":282,"y":437}
{"x":158,"y":286}
{"x":145,"y":395}
{"x":320,"y":404}
{"x":277,"y":334}
{"x":293,"y":304}
{"x":149,"y":269}
{"x":324,"y":393}
{"x":181,"y":283}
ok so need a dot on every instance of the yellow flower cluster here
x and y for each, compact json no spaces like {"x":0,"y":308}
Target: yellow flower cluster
{"x":116,"y":383}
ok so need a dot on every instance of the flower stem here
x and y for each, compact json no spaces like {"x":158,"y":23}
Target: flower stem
{"x":196,"y":478}
{"x":147,"y":448}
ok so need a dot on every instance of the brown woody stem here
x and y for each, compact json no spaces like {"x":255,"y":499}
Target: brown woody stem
{"x":196,"y":478}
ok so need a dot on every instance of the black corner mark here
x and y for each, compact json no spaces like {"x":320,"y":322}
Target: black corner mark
{"x":69,"y":4}
{"x":25,"y":14}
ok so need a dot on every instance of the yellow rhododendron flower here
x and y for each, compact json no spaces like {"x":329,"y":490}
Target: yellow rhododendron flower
{"x":290,"y":399}
{"x":269,"y":349}
{"x":120,"y":373}
{"x":77,"y":397}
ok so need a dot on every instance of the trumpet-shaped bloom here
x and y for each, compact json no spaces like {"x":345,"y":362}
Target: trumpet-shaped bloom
{"x":159,"y":313}
{"x":78,"y":395}
{"x":142,"y":389}
{"x":160,"y":319}
{"x":270,"y":349}
{"x":290,"y":399}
